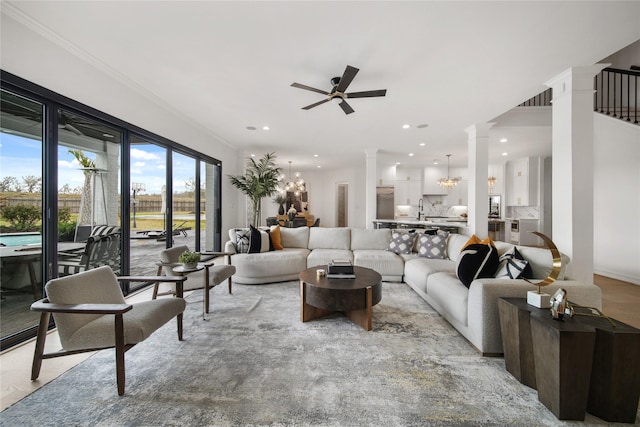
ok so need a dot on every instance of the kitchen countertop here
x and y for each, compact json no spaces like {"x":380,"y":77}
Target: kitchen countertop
{"x":439,"y":222}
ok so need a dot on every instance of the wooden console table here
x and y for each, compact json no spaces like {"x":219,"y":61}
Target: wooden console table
{"x":577,"y":365}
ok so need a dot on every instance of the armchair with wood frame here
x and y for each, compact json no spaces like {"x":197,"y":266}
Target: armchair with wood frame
{"x":91,"y":314}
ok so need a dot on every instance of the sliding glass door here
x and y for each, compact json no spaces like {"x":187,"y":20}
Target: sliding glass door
{"x":21,"y":165}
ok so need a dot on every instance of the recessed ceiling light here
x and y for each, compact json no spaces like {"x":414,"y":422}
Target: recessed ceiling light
{"x":253,"y":155}
{"x":397,"y":163}
{"x":503,"y":140}
{"x":107,"y":135}
{"x":422,"y":126}
{"x":265,"y":128}
{"x":422,"y":144}
{"x":315,"y":155}
{"x":251,"y":128}
{"x":505,"y":154}
{"x":410,"y":154}
{"x":406,"y":126}
{"x":435,"y":162}
{"x":318,"y":166}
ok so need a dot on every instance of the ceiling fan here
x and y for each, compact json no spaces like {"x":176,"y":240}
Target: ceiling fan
{"x":340,"y":85}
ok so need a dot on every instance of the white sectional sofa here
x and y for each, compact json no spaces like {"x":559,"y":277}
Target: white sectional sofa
{"x":472,"y":311}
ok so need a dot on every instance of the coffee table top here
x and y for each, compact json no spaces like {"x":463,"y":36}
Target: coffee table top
{"x":365,"y":277}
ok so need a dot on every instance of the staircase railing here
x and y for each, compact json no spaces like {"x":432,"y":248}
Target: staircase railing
{"x":617,"y":94}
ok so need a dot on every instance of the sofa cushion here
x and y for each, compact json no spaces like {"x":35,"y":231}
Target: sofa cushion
{"x":276,"y":239}
{"x":295,"y":237}
{"x":325,"y":256}
{"x":384,"y":262}
{"x":270,"y":264}
{"x":418,"y":270}
{"x":451,"y":295}
{"x":401,"y":243}
{"x":476,"y":261}
{"x":432,"y":246}
{"x":370,"y":239}
{"x":455,"y":243}
{"x":329,"y":238}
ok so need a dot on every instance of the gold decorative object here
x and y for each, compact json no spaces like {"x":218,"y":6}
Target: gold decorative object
{"x":448,"y":182}
{"x":538,"y":299}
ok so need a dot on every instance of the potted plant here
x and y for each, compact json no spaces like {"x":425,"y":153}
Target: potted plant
{"x":260,"y":180}
{"x":280,"y":200}
{"x":189,"y":259}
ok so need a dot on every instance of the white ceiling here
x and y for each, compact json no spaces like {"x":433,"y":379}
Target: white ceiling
{"x":229,"y":65}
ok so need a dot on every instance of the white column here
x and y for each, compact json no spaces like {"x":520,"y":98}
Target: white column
{"x":478,"y":204}
{"x":371,"y":171}
{"x":572,"y":168}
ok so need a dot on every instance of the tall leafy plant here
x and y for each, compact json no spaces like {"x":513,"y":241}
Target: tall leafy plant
{"x":260,"y":180}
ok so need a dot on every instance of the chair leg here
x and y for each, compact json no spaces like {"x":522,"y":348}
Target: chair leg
{"x":40,"y":340}
{"x":179,"y":294}
{"x":119,"y":335}
{"x":157,"y":284}
{"x":229,"y":284}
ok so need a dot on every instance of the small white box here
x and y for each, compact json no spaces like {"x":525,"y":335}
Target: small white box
{"x":541,"y":300}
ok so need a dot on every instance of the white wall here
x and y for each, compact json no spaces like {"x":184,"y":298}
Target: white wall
{"x":616,"y":213}
{"x":33,"y":57}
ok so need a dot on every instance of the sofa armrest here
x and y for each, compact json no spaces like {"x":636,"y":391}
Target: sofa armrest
{"x":483,"y":320}
{"x":230,"y":247}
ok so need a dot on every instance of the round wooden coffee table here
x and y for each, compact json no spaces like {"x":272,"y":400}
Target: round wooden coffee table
{"x":320,"y":296}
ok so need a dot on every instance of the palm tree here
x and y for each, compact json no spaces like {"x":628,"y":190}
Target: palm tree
{"x":260,"y":180}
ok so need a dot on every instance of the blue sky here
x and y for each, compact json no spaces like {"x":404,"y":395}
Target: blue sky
{"x":21,"y":156}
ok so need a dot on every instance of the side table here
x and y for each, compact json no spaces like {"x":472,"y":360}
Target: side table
{"x":581,"y":363}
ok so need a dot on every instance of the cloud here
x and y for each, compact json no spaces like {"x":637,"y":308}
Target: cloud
{"x":138,"y":164}
{"x":65,"y":164}
{"x":136,"y":153}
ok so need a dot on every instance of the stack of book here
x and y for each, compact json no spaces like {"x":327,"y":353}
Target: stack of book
{"x":340,"y":269}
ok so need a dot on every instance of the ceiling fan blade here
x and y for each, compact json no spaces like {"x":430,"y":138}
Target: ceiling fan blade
{"x":349,"y":73}
{"x":73,"y":129}
{"x":367,"y":94}
{"x":308,"y":107}
{"x":312,"y":89}
{"x":346,"y":107}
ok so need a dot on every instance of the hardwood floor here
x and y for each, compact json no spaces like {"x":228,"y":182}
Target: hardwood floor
{"x":620,"y":300}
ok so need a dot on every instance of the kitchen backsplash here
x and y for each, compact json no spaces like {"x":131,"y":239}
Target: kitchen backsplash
{"x":523,"y":212}
{"x":430,"y":210}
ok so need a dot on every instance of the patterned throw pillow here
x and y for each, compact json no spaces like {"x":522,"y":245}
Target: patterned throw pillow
{"x":243,"y":236}
{"x":434,"y":247}
{"x":258,"y":240}
{"x":513,"y":266}
{"x":401,"y":243}
{"x":476,"y":261}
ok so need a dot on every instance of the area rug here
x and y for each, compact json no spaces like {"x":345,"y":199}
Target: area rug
{"x":253,"y":362}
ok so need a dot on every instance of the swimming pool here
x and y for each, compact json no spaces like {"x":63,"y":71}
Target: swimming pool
{"x":17,"y":239}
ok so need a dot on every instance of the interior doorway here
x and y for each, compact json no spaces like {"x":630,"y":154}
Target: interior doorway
{"x":342,"y":204}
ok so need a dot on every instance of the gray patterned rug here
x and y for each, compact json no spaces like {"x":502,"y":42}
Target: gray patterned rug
{"x":254,"y":363}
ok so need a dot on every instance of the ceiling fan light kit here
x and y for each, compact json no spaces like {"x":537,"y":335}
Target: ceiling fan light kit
{"x":338,"y":94}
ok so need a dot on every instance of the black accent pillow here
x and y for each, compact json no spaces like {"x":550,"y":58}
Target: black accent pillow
{"x":477,"y":261}
{"x":258,"y":241}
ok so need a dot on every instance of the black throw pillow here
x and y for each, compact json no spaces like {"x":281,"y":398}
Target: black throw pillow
{"x":477,"y":261}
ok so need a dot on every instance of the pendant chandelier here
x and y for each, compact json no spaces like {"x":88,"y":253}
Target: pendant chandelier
{"x":492,"y":180}
{"x":294,"y":183}
{"x":448,"y":182}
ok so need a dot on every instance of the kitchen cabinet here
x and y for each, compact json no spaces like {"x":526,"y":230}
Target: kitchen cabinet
{"x":522,"y":184}
{"x":458,"y":195}
{"x":408,"y":186}
{"x":430,"y":179}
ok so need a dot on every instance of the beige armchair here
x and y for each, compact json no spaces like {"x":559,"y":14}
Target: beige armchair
{"x":91,"y":314}
{"x":212,"y":275}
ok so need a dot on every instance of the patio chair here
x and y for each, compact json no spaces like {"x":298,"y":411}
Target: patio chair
{"x":211,"y":276}
{"x":91,"y":314}
{"x":99,"y":250}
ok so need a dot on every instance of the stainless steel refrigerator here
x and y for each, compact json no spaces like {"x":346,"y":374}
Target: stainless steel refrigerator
{"x":385,"y":205}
